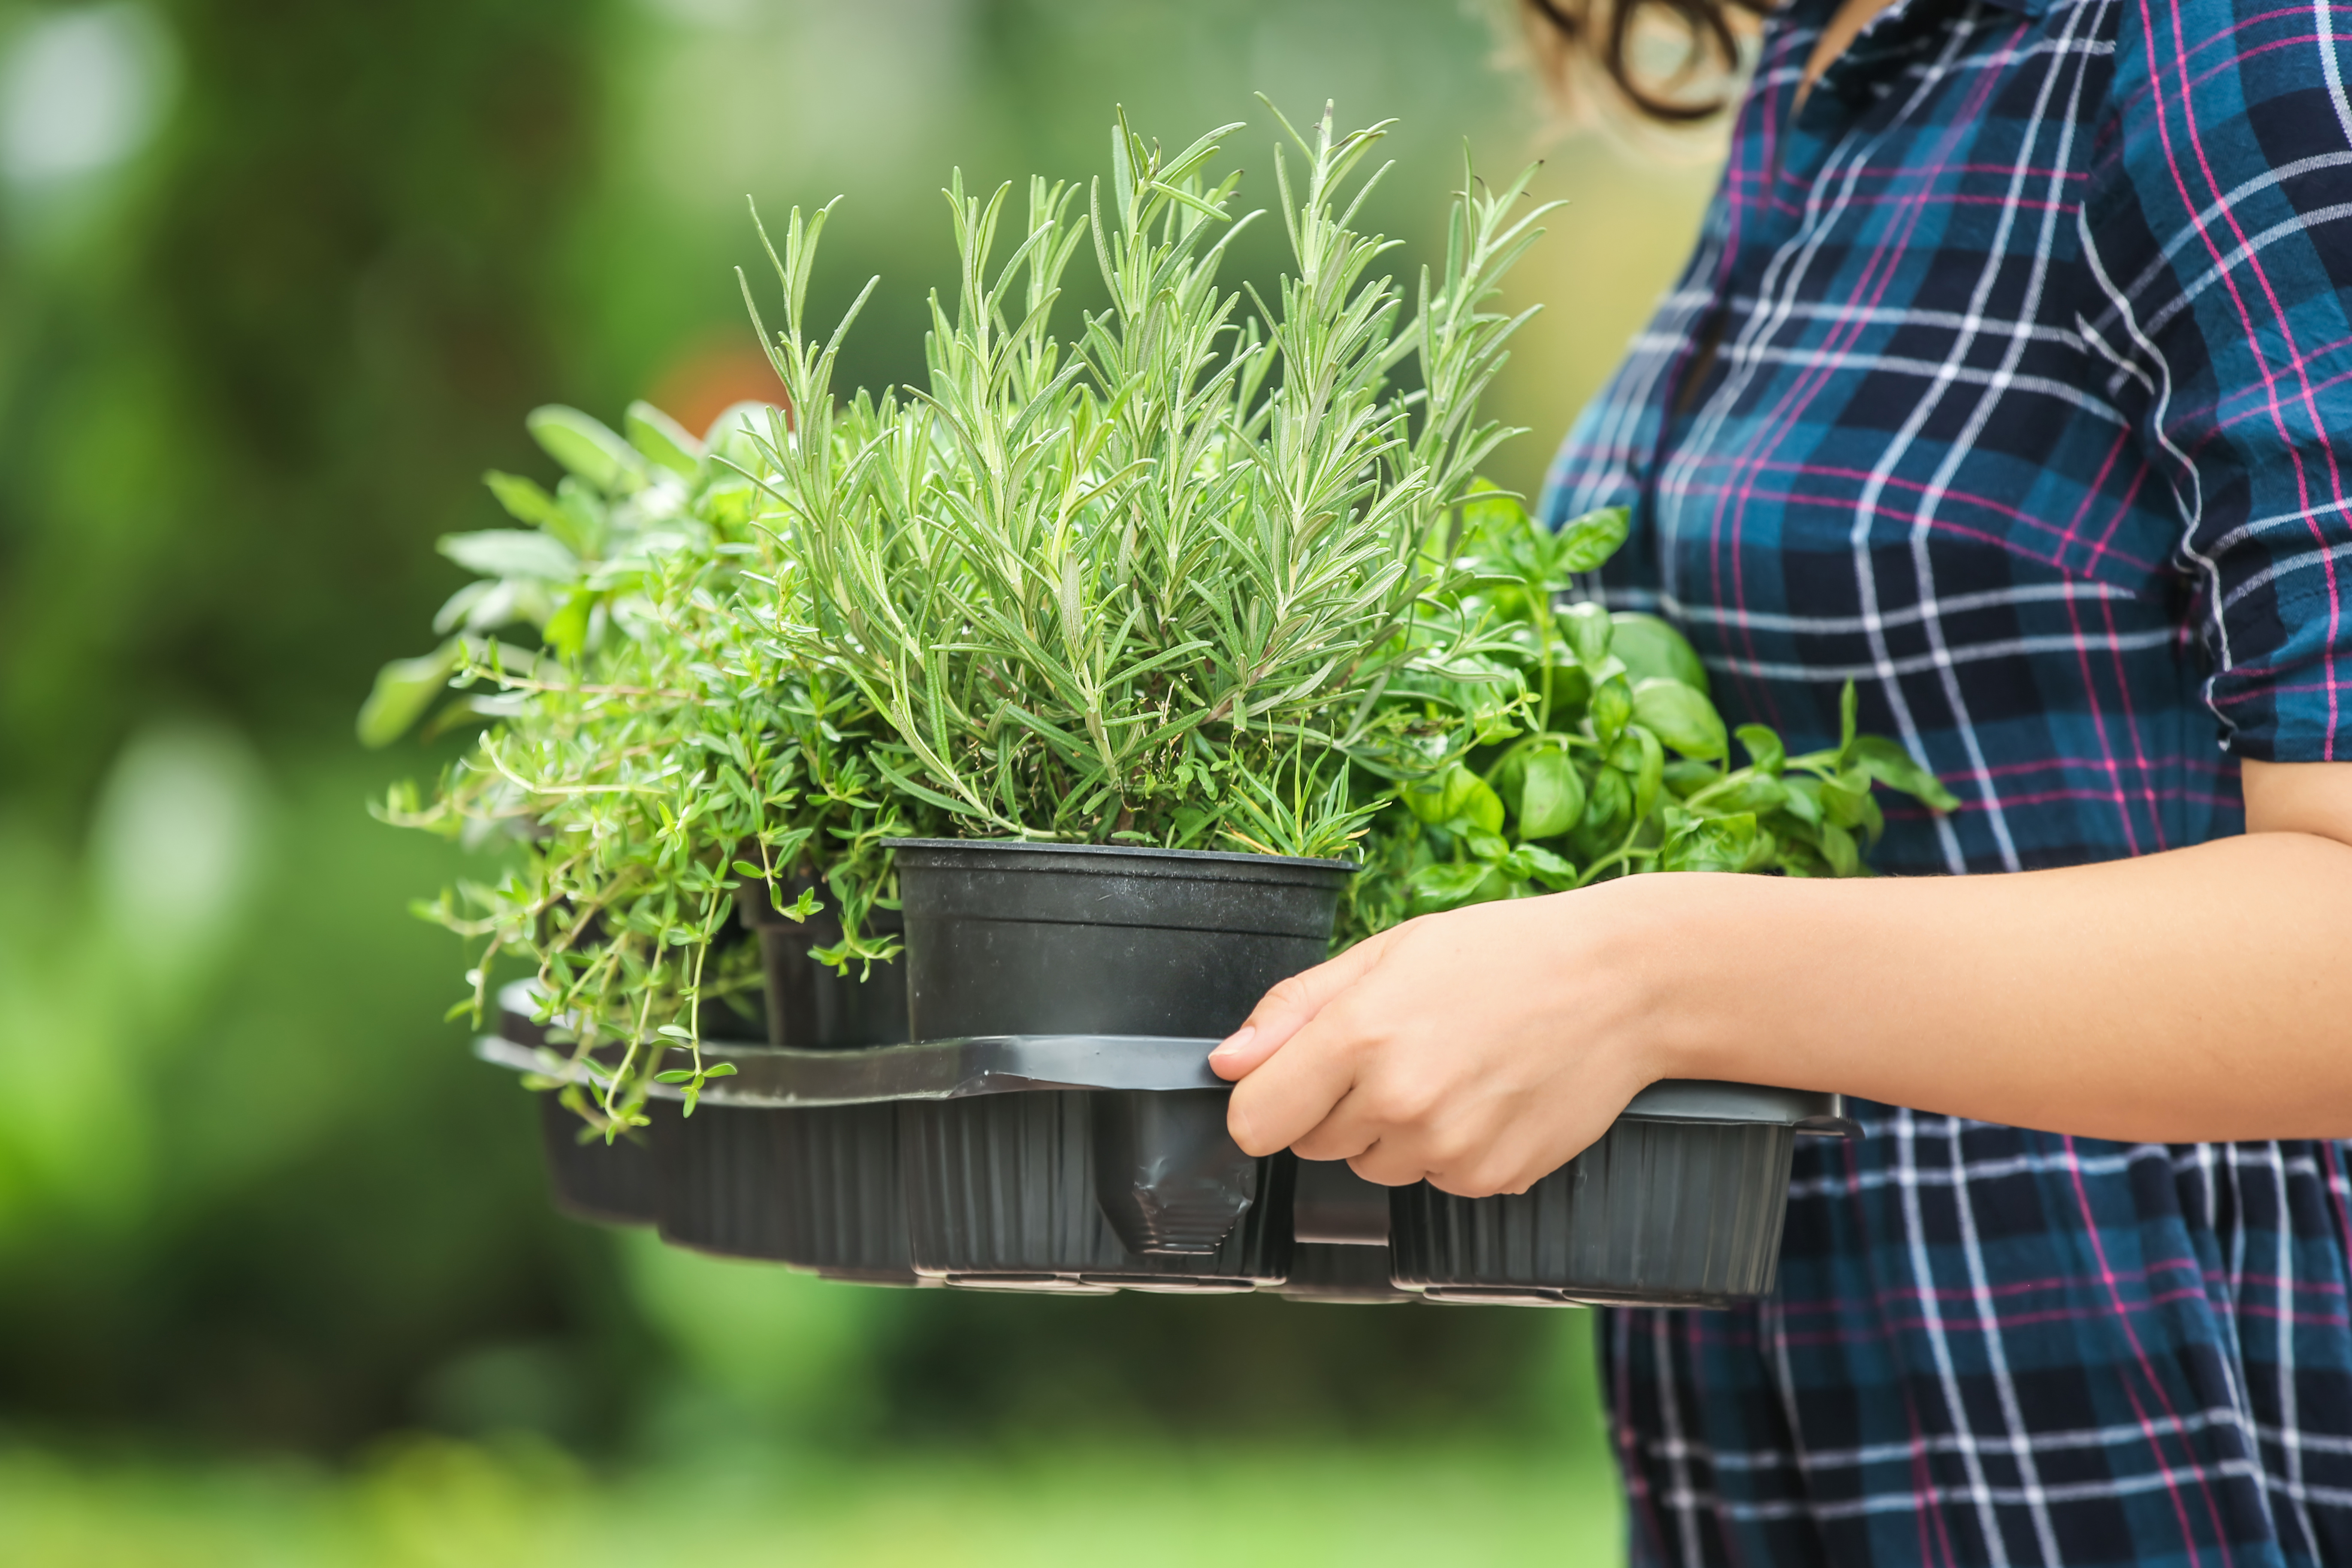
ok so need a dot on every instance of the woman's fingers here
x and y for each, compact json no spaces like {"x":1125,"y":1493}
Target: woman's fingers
{"x":1283,"y":1010}
{"x":1295,"y":1092}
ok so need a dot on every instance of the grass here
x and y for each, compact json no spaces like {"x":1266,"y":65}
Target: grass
{"x":434,"y":1503}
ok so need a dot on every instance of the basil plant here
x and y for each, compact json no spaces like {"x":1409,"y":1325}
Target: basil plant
{"x":1585,"y":746}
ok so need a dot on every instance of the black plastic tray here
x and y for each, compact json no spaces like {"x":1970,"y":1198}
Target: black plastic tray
{"x":1679,"y":1204}
{"x":1044,"y":1161}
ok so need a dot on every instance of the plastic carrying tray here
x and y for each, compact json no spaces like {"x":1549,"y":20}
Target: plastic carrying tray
{"x":817,"y":1188}
{"x":1680,"y":1203}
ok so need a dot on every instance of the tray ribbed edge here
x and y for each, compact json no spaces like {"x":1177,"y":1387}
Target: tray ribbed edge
{"x":1657,"y":1212}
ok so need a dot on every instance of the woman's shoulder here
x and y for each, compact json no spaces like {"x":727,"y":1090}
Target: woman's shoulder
{"x":2202,"y":64}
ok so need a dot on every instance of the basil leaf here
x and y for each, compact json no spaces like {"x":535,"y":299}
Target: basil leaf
{"x":1714,"y":844}
{"x":1682,"y":717}
{"x":1765,"y":752}
{"x":1838,"y":849}
{"x":1450,"y":887}
{"x":1802,"y":798}
{"x":1651,"y":648}
{"x":1586,"y":542}
{"x":1552,"y":795}
{"x":1885,"y":760}
{"x":1607,"y":799}
{"x":1589,"y":630}
{"x":1612,"y":706}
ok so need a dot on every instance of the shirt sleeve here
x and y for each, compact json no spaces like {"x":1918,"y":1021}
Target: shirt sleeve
{"x":2218,"y":223}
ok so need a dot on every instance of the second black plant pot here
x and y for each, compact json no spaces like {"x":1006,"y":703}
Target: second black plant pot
{"x":1049,"y":1188}
{"x":1656,"y":1213}
{"x":588,"y":1179}
{"x":817,"y":1188}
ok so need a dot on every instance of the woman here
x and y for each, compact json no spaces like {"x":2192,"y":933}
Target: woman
{"x":2012,"y":379}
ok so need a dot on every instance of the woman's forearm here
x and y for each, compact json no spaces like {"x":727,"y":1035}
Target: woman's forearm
{"x":2200,"y":995}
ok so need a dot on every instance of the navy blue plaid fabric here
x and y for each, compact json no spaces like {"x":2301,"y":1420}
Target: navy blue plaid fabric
{"x":2012,"y":380}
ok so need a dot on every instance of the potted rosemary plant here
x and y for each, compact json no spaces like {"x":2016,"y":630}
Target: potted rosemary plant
{"x":1125,"y":601}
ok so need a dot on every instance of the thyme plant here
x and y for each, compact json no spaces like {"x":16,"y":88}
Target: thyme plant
{"x":1147,"y":581}
{"x":663,"y":749}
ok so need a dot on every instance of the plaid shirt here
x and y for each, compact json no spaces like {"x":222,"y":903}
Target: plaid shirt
{"x":2012,"y":379}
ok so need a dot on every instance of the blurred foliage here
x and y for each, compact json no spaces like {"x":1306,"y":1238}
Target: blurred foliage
{"x":438,"y":1504}
{"x":276,"y":285}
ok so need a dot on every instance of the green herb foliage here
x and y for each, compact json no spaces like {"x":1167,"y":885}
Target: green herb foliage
{"x":1146,"y":583}
{"x":1598,"y":753}
{"x":661,"y":749}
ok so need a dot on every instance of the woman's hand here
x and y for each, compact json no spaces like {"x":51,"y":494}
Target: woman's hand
{"x":1481,"y":1049}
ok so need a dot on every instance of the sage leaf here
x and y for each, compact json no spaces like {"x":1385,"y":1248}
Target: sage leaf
{"x":403,"y":689}
{"x":511,"y":552}
{"x":663,"y":439}
{"x":586,"y":447}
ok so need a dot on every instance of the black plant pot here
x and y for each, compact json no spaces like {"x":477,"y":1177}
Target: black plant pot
{"x":1048,"y":1188}
{"x":1657,"y":1212}
{"x":817,"y":1188}
{"x":603,"y":1184}
{"x":809,"y":1005}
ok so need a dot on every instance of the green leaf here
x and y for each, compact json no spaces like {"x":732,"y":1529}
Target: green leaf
{"x":663,"y":439}
{"x":1845,"y":804}
{"x":1838,"y":849}
{"x":1455,"y":793}
{"x":1544,"y":867}
{"x":1588,"y":629}
{"x":1552,"y":796}
{"x":567,"y":630}
{"x":675,"y":1075}
{"x":1653,"y":650}
{"x":1745,"y":791}
{"x":1648,"y":772}
{"x":403,"y":689}
{"x":511,"y":552}
{"x":1490,"y":847}
{"x":1713,"y":844}
{"x":1450,"y":887}
{"x":720,"y":1070}
{"x":1802,"y":798}
{"x":1849,"y":707}
{"x":1887,"y":761}
{"x":1611,"y":708}
{"x":1609,"y":799}
{"x":586,"y":448}
{"x":1682,"y":717}
{"x":1765,"y":752}
{"x":1586,"y":542}
{"x":524,"y":500}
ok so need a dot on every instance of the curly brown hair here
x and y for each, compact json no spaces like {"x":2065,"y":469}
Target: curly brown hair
{"x":1602,"y":30}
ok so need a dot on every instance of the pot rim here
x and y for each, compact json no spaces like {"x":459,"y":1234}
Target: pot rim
{"x":1147,"y":851}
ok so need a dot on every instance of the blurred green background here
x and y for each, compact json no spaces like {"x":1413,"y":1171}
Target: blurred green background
{"x":277,"y":1277}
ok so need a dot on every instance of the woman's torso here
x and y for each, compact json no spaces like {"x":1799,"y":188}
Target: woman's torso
{"x":1916,"y":416}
